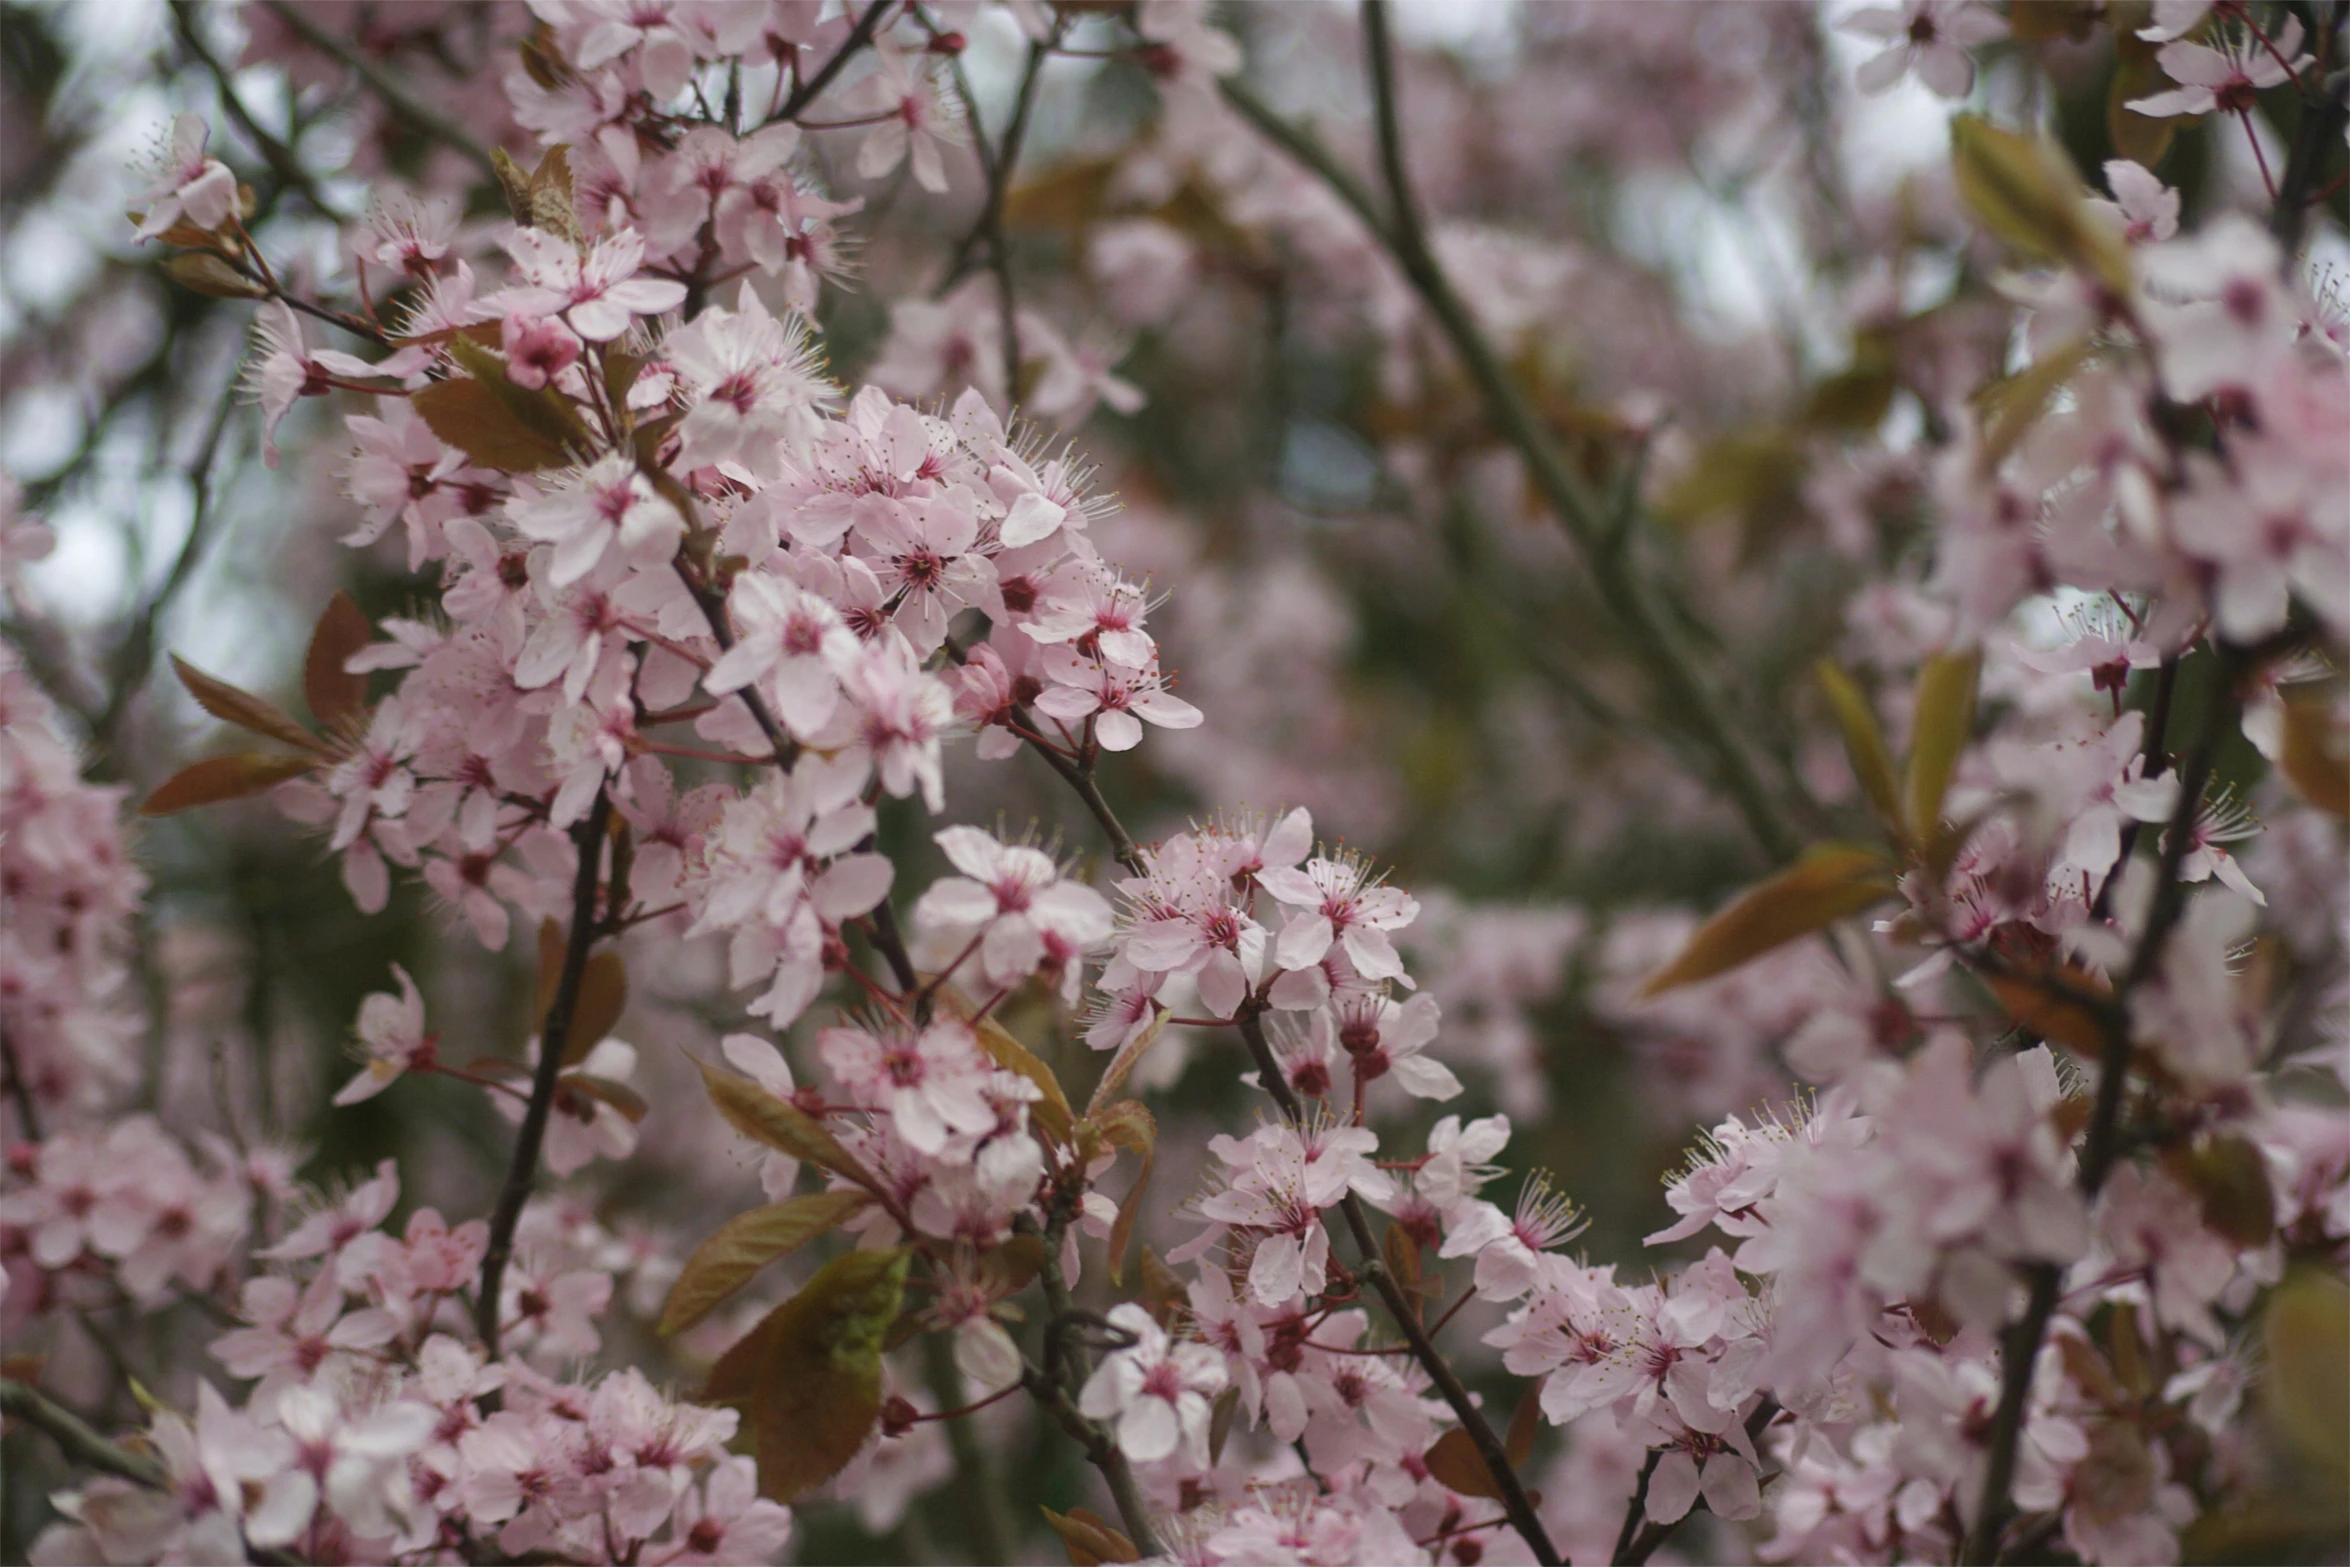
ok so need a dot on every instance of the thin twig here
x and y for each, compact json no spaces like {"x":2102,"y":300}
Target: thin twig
{"x":276,"y":153}
{"x":75,"y":1438}
{"x":84,"y":1446}
{"x":433,"y":123}
{"x":1584,"y":516}
{"x":134,"y":657}
{"x":2020,"y":1348}
{"x":1490,"y":1448}
{"x":859,"y":37}
{"x":554,"y":1041}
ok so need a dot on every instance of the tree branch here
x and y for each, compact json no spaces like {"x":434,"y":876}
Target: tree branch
{"x":1583,"y":515}
{"x":554,"y":1041}
{"x":427,"y":122}
{"x":84,"y":1446}
{"x":1490,"y":1448}
{"x":859,"y":36}
{"x":2020,"y":1346}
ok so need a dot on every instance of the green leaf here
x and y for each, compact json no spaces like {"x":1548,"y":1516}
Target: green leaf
{"x":218,"y":778}
{"x":2024,"y":190}
{"x":815,"y":1391}
{"x":243,"y":709}
{"x":1945,"y":721}
{"x":2307,"y":1333}
{"x":2009,"y":406}
{"x":784,"y":1127}
{"x":2230,"y":1181}
{"x":1864,"y":742}
{"x":1827,"y":884}
{"x":332,"y":691}
{"x":746,"y":1244}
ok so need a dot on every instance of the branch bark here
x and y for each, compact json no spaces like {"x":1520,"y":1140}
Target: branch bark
{"x":1490,"y":1448}
{"x":554,"y":1039}
{"x":2020,"y":1346}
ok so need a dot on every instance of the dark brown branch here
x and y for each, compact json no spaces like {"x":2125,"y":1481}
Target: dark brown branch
{"x":554,"y":1041}
{"x":2020,"y":1345}
{"x":1490,"y":1448}
{"x":859,"y":36}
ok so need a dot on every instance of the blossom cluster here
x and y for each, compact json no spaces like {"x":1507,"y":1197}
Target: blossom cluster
{"x":2026,"y":1164}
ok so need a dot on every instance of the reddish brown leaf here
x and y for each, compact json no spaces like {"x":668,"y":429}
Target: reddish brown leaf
{"x":332,"y":691}
{"x":218,"y":778}
{"x":243,"y":709}
{"x":1089,"y":1539}
{"x":1457,"y":1466}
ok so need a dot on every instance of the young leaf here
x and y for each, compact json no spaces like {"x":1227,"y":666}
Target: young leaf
{"x":2306,"y":1330}
{"x":1220,"y":1417}
{"x":744,"y":1245}
{"x":1051,"y":1113}
{"x":1864,"y":742}
{"x":2315,"y":756}
{"x":515,"y":182}
{"x":2027,"y":192}
{"x":545,"y":413}
{"x":1525,"y":1421}
{"x":1123,"y":1062}
{"x":1127,"y":1124}
{"x":202,"y":272}
{"x":786,"y":1128}
{"x":468,"y":416}
{"x":1827,"y":884}
{"x":618,"y":1095}
{"x":2049,"y":1010}
{"x":2008,"y":406}
{"x":243,"y":709}
{"x":2230,"y":1181}
{"x":1089,"y":1539}
{"x":1458,"y":1466}
{"x":1945,"y":720}
{"x":817,"y":1390}
{"x":332,"y":691}
{"x":603,"y":996}
{"x":550,"y":971}
{"x":218,"y":778}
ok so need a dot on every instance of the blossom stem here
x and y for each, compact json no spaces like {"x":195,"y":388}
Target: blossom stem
{"x":554,"y":1042}
{"x":1582,"y":515}
{"x":2258,"y":156}
{"x":2020,"y":1350}
{"x":1448,"y":1383}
